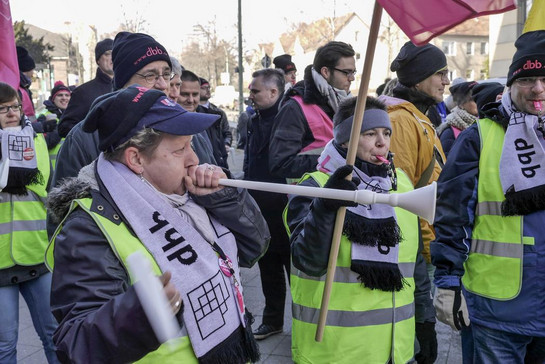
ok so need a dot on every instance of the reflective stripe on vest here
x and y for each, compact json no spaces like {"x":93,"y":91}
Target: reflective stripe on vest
{"x":23,"y":235}
{"x":123,"y":243}
{"x":494,"y":266}
{"x":361,"y":323}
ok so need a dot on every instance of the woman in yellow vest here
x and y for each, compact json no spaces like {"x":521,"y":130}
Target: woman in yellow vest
{"x":371,"y":316}
{"x":146,"y":192}
{"x":24,"y":175}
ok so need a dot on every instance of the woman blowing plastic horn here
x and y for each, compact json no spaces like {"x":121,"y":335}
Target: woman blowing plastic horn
{"x":147,"y":193}
{"x":379,"y":274}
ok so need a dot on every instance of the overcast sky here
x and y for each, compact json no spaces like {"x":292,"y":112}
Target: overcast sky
{"x":263,"y":21}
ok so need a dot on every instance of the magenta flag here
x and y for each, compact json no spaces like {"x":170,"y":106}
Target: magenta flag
{"x":9,"y":69}
{"x":422,"y":20}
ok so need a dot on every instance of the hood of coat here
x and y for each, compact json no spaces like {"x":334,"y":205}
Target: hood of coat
{"x":494,"y":111}
{"x":60,"y":198}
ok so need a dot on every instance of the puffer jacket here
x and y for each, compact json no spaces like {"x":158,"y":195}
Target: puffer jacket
{"x":415,"y":144}
{"x":99,"y":313}
{"x":291,"y":132}
{"x":454,"y":219}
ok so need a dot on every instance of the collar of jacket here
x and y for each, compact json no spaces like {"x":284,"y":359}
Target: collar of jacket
{"x":419,"y":99}
{"x":494,"y":111}
{"x":269,"y":112}
{"x":103,"y":77}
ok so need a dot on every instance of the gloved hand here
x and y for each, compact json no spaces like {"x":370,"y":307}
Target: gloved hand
{"x":427,"y":339}
{"x":451,"y":307}
{"x":48,"y":123}
{"x":338,"y":181}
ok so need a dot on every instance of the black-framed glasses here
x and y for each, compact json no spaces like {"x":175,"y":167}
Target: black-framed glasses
{"x":6,"y":109}
{"x":347,"y":73}
{"x":153,"y":77}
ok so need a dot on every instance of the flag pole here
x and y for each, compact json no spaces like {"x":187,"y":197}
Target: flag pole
{"x":350,"y":159}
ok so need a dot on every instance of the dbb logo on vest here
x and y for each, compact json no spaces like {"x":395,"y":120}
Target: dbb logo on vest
{"x":525,"y":152}
{"x":185,"y":254}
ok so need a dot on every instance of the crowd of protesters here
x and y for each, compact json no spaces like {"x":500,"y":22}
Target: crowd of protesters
{"x":131,"y":161}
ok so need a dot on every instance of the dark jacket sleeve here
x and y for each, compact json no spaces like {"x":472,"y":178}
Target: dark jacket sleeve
{"x":80,"y":102}
{"x":237,"y":210}
{"x":225,"y":129}
{"x":447,"y":140}
{"x":424,"y":310}
{"x":311,"y":225}
{"x":454,"y":217}
{"x":290,"y":134}
{"x":100,"y":317}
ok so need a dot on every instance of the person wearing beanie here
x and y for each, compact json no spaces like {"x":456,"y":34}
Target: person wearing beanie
{"x":176,"y":81}
{"x":47,"y":120}
{"x":379,"y":268}
{"x":422,"y":77}
{"x":490,"y":237}
{"x":26,"y":71}
{"x":137,"y":59}
{"x":485,"y":93}
{"x":284,"y":63}
{"x":147,"y":193}
{"x":84,"y":95}
{"x":462,"y":115}
{"x":303,"y":125}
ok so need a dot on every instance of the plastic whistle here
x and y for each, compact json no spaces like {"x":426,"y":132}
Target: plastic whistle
{"x":538,"y":106}
{"x":382,"y":159}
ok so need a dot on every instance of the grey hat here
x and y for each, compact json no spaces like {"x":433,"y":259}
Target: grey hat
{"x":372,"y":118}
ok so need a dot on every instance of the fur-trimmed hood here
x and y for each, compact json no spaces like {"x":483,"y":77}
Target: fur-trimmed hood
{"x":61,"y":197}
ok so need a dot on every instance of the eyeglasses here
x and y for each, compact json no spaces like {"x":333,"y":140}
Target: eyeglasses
{"x":153,"y":77}
{"x":529,"y":81}
{"x":347,"y":73}
{"x":443,"y":75}
{"x":6,"y":109}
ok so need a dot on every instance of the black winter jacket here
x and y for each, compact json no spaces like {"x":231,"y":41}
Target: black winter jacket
{"x":219,"y":134}
{"x":291,"y":132}
{"x":81,"y":100}
{"x":100,"y":317}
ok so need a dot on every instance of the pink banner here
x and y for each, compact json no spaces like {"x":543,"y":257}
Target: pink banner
{"x":422,"y":20}
{"x":9,"y":69}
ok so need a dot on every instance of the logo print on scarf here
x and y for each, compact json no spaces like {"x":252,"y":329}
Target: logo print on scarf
{"x":209,"y":306}
{"x":186,"y":254}
{"x":18,"y":144}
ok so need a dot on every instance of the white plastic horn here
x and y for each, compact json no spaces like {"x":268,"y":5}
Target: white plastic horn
{"x":420,"y":202}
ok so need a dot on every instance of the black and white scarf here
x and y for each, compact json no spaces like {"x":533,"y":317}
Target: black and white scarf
{"x":18,"y":164}
{"x":372,"y":229}
{"x":213,"y":307}
{"x":334,"y":95}
{"x":522,"y":163}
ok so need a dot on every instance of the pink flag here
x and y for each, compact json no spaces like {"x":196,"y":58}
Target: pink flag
{"x":422,"y":20}
{"x":9,"y":69}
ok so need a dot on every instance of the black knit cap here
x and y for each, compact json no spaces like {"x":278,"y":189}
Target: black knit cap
{"x":58,"y":87}
{"x":102,"y":47}
{"x":119,"y":115}
{"x":414,"y":64}
{"x":529,"y":59}
{"x":486,"y":92}
{"x":203,"y":81}
{"x":25,"y":61}
{"x":284,"y":62}
{"x":462,"y":88}
{"x":133,"y":51}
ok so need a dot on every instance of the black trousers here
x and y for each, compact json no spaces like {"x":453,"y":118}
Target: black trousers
{"x":273,"y":267}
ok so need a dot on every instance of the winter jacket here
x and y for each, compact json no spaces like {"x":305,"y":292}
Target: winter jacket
{"x":219,"y":134}
{"x":454,"y":219}
{"x":81,"y":100}
{"x":415,"y":145}
{"x":457,"y":121}
{"x":313,"y":258}
{"x":291,"y":132}
{"x":51,"y":135}
{"x":256,"y":168}
{"x":101,"y":319}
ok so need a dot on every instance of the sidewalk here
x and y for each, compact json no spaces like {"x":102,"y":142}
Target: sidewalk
{"x":274,"y":350}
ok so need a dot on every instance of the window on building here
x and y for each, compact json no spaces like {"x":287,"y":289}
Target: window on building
{"x":470,"y":75}
{"x":470,"y":49}
{"x":452,"y":75}
{"x":483,"y":75}
{"x":449,"y":48}
{"x":484,"y":48}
